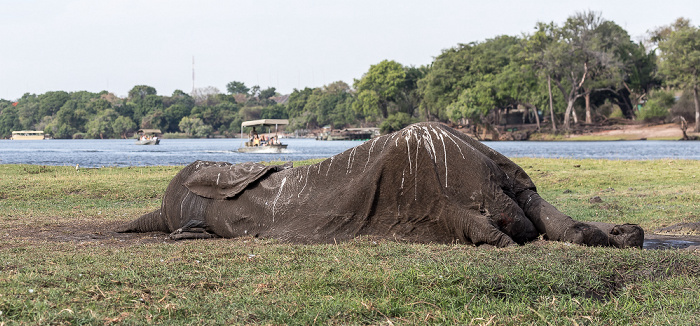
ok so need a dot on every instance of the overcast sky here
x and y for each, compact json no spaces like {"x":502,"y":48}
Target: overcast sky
{"x":112,"y":45}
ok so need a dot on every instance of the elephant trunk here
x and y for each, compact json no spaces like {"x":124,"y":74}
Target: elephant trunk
{"x":149,"y":222}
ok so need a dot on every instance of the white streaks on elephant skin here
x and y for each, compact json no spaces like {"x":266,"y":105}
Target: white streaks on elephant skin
{"x":329,"y":165}
{"x":284,"y":180}
{"x":460,"y":149}
{"x":427,"y":137}
{"x":444,"y":151}
{"x":305,"y":182}
{"x":415,"y":175}
{"x":387,"y":140}
{"x":217,"y":178}
{"x":369,"y":154}
{"x":183,"y":203}
{"x":408,"y":149}
{"x":351,"y":160}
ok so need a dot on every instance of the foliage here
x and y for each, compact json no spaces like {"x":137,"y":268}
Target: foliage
{"x":396,"y":122}
{"x":657,"y":107}
{"x":236,"y":87}
{"x":195,"y":127}
{"x":379,"y":88}
{"x":680,"y":60}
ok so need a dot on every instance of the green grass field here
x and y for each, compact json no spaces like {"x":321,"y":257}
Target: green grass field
{"x":77,"y":275}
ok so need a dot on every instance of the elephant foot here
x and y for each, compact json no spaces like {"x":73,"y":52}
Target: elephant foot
{"x":190,"y":233}
{"x":622,"y":235}
{"x":584,"y":234}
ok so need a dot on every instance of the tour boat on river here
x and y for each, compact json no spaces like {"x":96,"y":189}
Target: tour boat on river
{"x":265,"y":143}
{"x":148,"y":137}
{"x":28,"y":135}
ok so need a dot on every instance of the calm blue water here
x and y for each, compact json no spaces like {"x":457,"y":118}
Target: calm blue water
{"x":97,"y":153}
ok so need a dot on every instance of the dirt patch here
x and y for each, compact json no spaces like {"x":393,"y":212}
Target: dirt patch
{"x":102,"y":233}
{"x":642,"y":131}
{"x":681,"y":229}
{"x":84,"y":232}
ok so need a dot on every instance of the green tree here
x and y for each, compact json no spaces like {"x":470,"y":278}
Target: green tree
{"x":396,"y":122}
{"x":296,"y":103}
{"x":379,"y":87}
{"x":680,"y":60}
{"x":123,"y":125}
{"x":9,"y":120}
{"x":139,"y":92}
{"x":276,"y":111}
{"x":101,"y":124}
{"x":236,"y":87}
{"x":267,"y":93}
{"x":194,"y":127}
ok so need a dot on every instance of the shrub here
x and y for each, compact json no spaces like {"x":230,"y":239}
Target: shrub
{"x":396,"y":122}
{"x":657,"y":107}
{"x":684,"y":106}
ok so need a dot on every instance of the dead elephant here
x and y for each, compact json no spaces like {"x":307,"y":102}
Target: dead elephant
{"x":424,"y":183}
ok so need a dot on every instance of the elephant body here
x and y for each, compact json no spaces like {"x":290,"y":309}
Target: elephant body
{"x":424,"y":183}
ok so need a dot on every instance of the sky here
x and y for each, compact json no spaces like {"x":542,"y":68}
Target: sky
{"x":113,"y":45}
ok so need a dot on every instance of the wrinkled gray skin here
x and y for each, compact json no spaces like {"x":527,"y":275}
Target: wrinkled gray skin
{"x":425,"y":183}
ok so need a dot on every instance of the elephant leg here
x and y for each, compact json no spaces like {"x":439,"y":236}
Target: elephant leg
{"x":508,"y":217}
{"x":557,"y":226}
{"x":480,"y":229}
{"x":194,"y":229}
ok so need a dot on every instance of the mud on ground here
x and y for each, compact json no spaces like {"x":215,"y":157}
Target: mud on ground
{"x":101,"y":232}
{"x":83,"y":232}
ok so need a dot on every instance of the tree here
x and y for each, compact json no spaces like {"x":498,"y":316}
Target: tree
{"x":267,"y":93}
{"x":680,"y":60}
{"x":123,"y":125}
{"x":396,"y":122}
{"x":579,"y":60}
{"x":188,"y":125}
{"x":101,"y":124}
{"x":236,"y":87}
{"x":140,"y":92}
{"x":379,"y":87}
{"x":206,"y":96}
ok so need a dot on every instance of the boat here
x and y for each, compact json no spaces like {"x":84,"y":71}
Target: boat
{"x":148,"y":137}
{"x":28,"y":135}
{"x":263,"y":143}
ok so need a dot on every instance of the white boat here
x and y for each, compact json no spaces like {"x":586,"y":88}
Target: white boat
{"x":263,"y":143}
{"x":148,"y":137}
{"x":27,"y":135}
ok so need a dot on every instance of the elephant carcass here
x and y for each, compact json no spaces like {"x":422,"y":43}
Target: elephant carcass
{"x":424,"y":183}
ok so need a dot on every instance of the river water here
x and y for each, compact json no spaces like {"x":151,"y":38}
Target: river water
{"x":119,"y":152}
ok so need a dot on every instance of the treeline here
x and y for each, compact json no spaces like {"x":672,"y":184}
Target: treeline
{"x":583,"y":71}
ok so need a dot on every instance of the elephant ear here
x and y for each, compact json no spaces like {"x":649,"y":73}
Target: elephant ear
{"x":218,"y":180}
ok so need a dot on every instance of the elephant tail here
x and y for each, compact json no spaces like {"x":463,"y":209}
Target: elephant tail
{"x":150,"y":222}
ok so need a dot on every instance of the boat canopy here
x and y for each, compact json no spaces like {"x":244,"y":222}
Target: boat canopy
{"x":149,"y":131}
{"x":265,"y":122}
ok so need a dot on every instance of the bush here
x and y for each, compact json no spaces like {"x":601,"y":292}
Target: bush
{"x":685,"y":106}
{"x":656,"y":109}
{"x":396,"y":122}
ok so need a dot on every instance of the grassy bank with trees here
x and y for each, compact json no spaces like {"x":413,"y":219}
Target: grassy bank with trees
{"x":60,"y":264}
{"x":564,"y":76}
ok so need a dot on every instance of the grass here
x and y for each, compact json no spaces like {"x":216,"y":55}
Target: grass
{"x":365,"y":281}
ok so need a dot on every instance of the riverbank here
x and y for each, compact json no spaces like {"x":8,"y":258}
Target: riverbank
{"x":61,"y":263}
